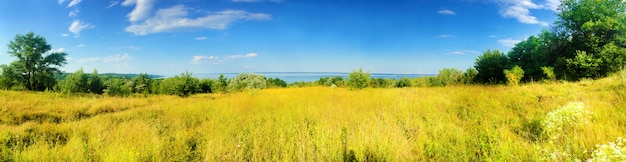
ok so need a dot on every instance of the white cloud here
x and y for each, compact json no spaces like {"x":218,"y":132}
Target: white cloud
{"x":113,"y":4}
{"x":492,"y":36}
{"x":201,"y":38}
{"x":553,"y":5}
{"x":249,"y":55}
{"x":520,"y":10}
{"x":58,"y":50}
{"x":446,"y":12}
{"x":74,"y":3}
{"x":198,"y":59}
{"x":78,"y":26}
{"x":65,"y":35}
{"x":508,"y":42}
{"x":175,"y":18}
{"x":80,"y":45}
{"x":445,"y":36}
{"x":117,"y":58}
{"x":141,"y":11}
{"x":61,"y":1}
{"x":74,"y":13}
{"x":464,"y":52}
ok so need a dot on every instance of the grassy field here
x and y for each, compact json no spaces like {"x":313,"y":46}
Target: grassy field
{"x":458,"y":123}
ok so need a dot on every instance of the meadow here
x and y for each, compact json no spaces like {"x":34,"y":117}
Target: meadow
{"x":454,"y":123}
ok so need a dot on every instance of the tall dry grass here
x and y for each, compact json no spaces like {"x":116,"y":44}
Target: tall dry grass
{"x":458,"y":123}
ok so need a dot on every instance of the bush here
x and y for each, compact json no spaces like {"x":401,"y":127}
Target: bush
{"x":403,"y":82}
{"x":572,"y":115}
{"x":77,"y":82}
{"x":328,"y":81}
{"x":183,"y":85}
{"x":276,"y":82}
{"x":95,"y":83}
{"x":514,"y":76}
{"x":206,"y":85}
{"x":118,"y":87}
{"x":549,"y":73}
{"x":613,"y":151}
{"x":449,"y":76}
{"x":490,"y":67}
{"x":247,"y":81}
{"x":358,"y":79}
{"x":220,"y":84}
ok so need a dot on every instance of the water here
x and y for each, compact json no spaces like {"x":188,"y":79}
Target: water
{"x":291,"y":77}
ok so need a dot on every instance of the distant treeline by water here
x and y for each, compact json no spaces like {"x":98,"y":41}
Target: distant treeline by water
{"x":291,"y":77}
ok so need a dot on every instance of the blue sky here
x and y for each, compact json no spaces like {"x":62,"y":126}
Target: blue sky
{"x":222,"y":36}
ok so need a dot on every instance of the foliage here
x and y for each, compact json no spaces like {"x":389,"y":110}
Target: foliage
{"x":583,"y":66}
{"x":383,"y":83}
{"x":95,"y":83}
{"x":514,"y":76}
{"x":206,"y":85}
{"x":548,"y":72}
{"x":468,"y":76}
{"x":118,"y":87}
{"x":490,"y":67}
{"x":449,"y":76}
{"x":276,"y":82}
{"x":328,"y":81}
{"x":358,"y":79}
{"x":77,"y":82}
{"x":403,"y":82}
{"x":181,"y":85}
{"x":37,"y":67}
{"x":247,"y":81}
{"x":141,"y":84}
{"x":9,"y":78}
{"x":220,"y":84}
{"x":613,"y":151}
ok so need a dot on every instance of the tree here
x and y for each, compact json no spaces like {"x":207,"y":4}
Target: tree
{"x":10,"y":78}
{"x":468,"y":76}
{"x":514,"y":75}
{"x":206,"y":85}
{"x":276,"y":82}
{"x":247,"y":81}
{"x":449,"y":76}
{"x":220,"y":84}
{"x":36,"y":68}
{"x":117,"y":87}
{"x":95,"y":83}
{"x":596,"y":30}
{"x":141,"y":84}
{"x":490,"y":67}
{"x":403,"y":82}
{"x":76,"y":82}
{"x":182,"y":85}
{"x":358,"y":79}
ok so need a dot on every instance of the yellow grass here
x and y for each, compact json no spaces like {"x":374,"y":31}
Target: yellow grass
{"x":458,"y":123}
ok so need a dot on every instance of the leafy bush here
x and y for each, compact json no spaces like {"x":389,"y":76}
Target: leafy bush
{"x":181,"y":85}
{"x":247,"y":81}
{"x":328,"y":81}
{"x":77,"y":82}
{"x":358,"y":79}
{"x":468,"y":76}
{"x":583,"y":65}
{"x":95,"y":83}
{"x":490,"y":66}
{"x":549,"y":73}
{"x":514,"y":76}
{"x":449,"y":76}
{"x":206,"y":85}
{"x":403,"y":82}
{"x":118,"y":87}
{"x":276,"y":82}
{"x":220,"y":84}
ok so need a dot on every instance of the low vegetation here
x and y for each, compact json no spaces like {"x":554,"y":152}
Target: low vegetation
{"x":555,"y":121}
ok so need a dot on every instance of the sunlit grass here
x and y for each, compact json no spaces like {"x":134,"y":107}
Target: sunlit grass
{"x":458,"y":123}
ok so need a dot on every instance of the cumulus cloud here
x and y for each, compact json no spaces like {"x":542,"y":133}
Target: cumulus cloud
{"x":141,"y":11}
{"x":520,"y":10}
{"x":201,"y":38}
{"x":198,"y":59}
{"x":446,"y":12}
{"x":445,"y":36}
{"x":176,"y":18}
{"x":509,"y":42}
{"x":77,"y":26}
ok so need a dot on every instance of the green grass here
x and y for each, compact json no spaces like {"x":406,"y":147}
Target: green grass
{"x":458,"y":123}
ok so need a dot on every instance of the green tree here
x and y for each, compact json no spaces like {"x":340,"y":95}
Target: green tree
{"x":220,"y":84}
{"x":95,"y":83}
{"x":549,"y":73}
{"x":531,"y":54}
{"x":596,"y":30}
{"x":403,"y":82}
{"x":490,"y":67}
{"x":37,"y":68}
{"x":468,"y":76}
{"x":276,"y":82}
{"x":449,"y":76}
{"x":206,"y":85}
{"x":182,"y":85}
{"x":76,"y":82}
{"x":10,"y":79}
{"x":358,"y":79}
{"x":514,"y":76}
{"x":117,"y":87}
{"x":141,"y":83}
{"x":247,"y":81}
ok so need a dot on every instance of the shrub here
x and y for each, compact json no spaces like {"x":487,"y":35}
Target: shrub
{"x":358,"y":79}
{"x":449,"y":76}
{"x":549,"y":73}
{"x":276,"y":82}
{"x":247,"y":81}
{"x":183,"y":85}
{"x":220,"y":84}
{"x":76,"y":82}
{"x":117,"y":87}
{"x":403,"y":82}
{"x":206,"y":85}
{"x":514,"y":76}
{"x":490,"y":66}
{"x":572,"y":115}
{"x":613,"y":151}
{"x":95,"y":83}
